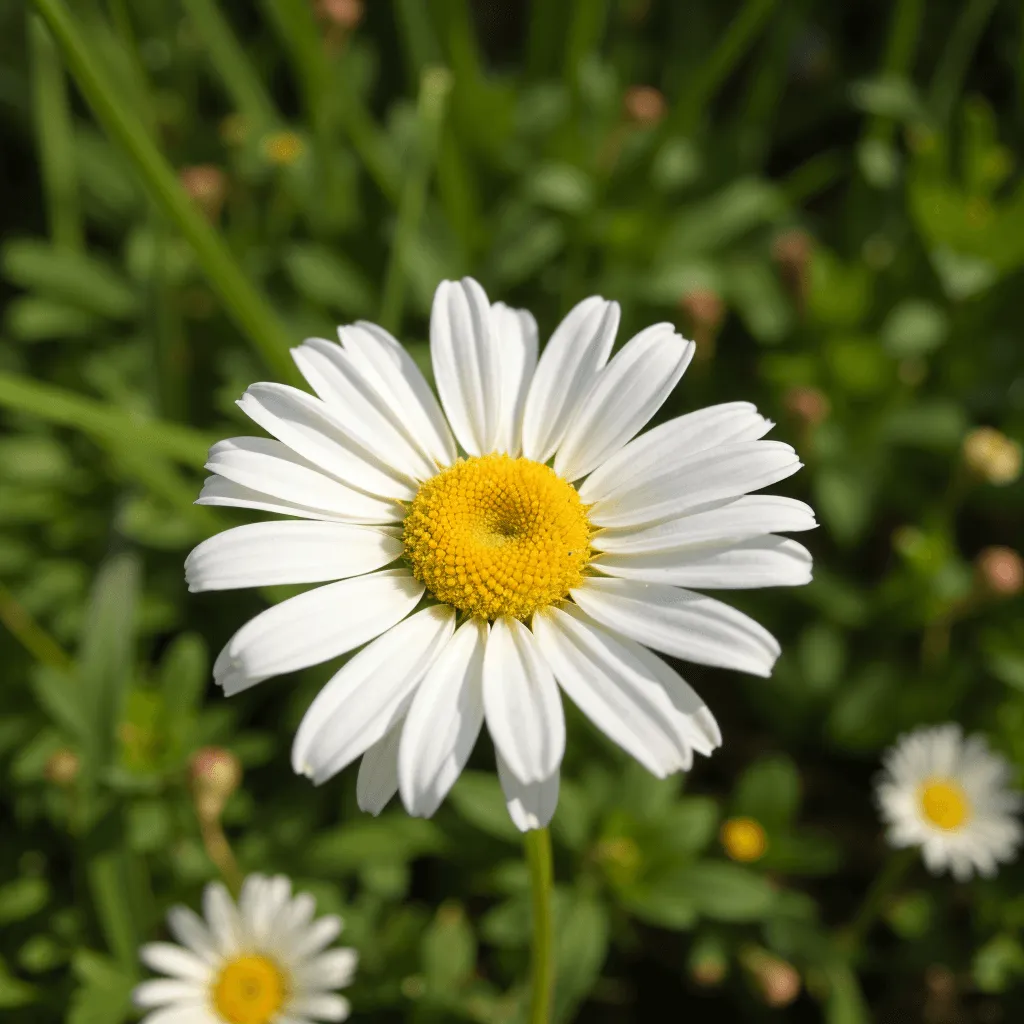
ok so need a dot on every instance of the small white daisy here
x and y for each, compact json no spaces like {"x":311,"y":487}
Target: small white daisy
{"x":951,"y":797}
{"x":537,"y":548}
{"x":262,"y":962}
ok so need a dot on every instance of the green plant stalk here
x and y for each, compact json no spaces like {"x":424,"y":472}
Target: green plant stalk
{"x":52,"y":120}
{"x":31,"y":635}
{"x":419,"y":41}
{"x":461,"y":44}
{"x":250,"y":310}
{"x":435,"y":86}
{"x":537,"y":843}
{"x":731,"y":48}
{"x":107,"y":424}
{"x":900,"y":48}
{"x":545,"y":31}
{"x":232,"y":65}
{"x":851,"y":937}
{"x":949,"y":74}
{"x":586,"y":28}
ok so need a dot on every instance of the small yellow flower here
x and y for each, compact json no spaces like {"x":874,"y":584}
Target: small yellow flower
{"x":992,"y":455}
{"x":743,"y":839}
{"x":283,"y":148}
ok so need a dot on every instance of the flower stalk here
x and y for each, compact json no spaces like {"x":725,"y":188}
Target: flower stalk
{"x":542,"y":976}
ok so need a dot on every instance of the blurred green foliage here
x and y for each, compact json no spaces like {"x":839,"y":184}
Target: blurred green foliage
{"x":826,"y":196}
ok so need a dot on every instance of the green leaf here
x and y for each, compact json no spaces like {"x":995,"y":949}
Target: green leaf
{"x":183,"y":675}
{"x":448,"y":952}
{"x":939,"y":424}
{"x":22,"y":898}
{"x":998,"y":964}
{"x":104,"y":991}
{"x":392,"y":838}
{"x":106,"y":655}
{"x":915,"y":327}
{"x":581,"y":944}
{"x":478,"y":798}
{"x":327,"y":278}
{"x":42,"y":319}
{"x":845,"y":1003}
{"x":13,"y":991}
{"x":769,"y":791}
{"x":726,"y":892}
{"x":82,"y":281}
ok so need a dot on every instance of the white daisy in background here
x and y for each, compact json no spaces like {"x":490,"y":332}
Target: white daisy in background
{"x":515,"y":545}
{"x":262,"y":962}
{"x":951,"y":797}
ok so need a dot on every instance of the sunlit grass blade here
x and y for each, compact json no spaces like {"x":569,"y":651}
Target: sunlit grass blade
{"x":103,"y":422}
{"x":250,"y":310}
{"x":435,"y":86}
{"x":52,"y":119}
{"x":231,"y":64}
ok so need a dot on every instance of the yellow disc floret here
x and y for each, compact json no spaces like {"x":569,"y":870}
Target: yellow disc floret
{"x":493,"y":535}
{"x":249,"y":990}
{"x":944,"y":803}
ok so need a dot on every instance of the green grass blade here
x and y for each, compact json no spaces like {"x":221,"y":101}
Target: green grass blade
{"x":103,"y":422}
{"x":231,"y":64}
{"x":54,"y":136}
{"x":435,"y":86}
{"x":251,"y":311}
{"x":952,"y":66}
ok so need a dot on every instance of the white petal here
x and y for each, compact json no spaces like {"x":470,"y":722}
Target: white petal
{"x":756,"y":562}
{"x":276,"y":895}
{"x":398,"y":380}
{"x":262,"y":554}
{"x":322,"y":1006}
{"x":613,"y":690}
{"x":249,"y":898}
{"x":465,"y":357}
{"x":368,"y":695}
{"x":662,"y":482}
{"x":222,"y":918}
{"x":190,"y":930}
{"x":320,"y":934}
{"x":167,"y":958}
{"x":681,"y":623}
{"x":192,"y":1011}
{"x":377,"y":781}
{"x":335,"y":377}
{"x":625,"y":395}
{"x":729,"y":423}
{"x":333,"y":969}
{"x":515,"y":331}
{"x":275,"y":474}
{"x":315,"y":627}
{"x":567,"y":368}
{"x":522,"y":703}
{"x":444,"y":721}
{"x":218,"y":491}
{"x":733,"y":519}
{"x":531,"y":805}
{"x":294,"y":919}
{"x":310,"y":428}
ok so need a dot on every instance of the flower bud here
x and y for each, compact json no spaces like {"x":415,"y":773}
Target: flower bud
{"x":207,"y":186}
{"x":792,"y":250}
{"x":215,"y":774}
{"x":62,"y":767}
{"x":777,"y":981}
{"x":644,"y":105}
{"x":345,"y":14}
{"x":811,"y":405}
{"x":743,"y":839}
{"x":993,"y":456}
{"x":1000,"y":571}
{"x":705,"y":312}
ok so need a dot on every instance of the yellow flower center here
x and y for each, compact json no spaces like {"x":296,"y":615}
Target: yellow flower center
{"x":944,"y":803}
{"x":493,"y":535}
{"x":743,"y":839}
{"x":249,"y":990}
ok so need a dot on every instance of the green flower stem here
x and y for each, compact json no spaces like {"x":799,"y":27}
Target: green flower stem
{"x":435,"y":85}
{"x":960,"y":46}
{"x":538,"y":860}
{"x":886,"y":880}
{"x":250,"y":310}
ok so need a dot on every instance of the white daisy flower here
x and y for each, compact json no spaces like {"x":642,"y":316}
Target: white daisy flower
{"x":262,"y":962}
{"x":499,"y":548}
{"x":951,"y":797}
